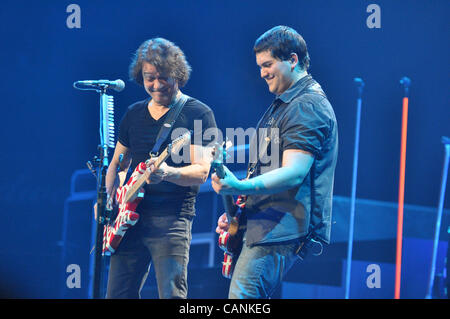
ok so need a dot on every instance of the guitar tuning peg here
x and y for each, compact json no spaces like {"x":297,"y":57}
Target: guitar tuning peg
{"x":228,"y":144}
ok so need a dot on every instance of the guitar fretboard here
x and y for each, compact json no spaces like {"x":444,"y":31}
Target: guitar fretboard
{"x":142,"y":178}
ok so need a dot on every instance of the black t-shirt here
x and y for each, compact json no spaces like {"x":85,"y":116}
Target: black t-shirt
{"x":138,"y":132}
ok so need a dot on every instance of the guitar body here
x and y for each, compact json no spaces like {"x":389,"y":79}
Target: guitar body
{"x":231,"y":241}
{"x":127,"y":216}
{"x":232,"y":246}
{"x":130,"y":195}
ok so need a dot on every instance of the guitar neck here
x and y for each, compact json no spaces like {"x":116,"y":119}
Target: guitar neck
{"x":161,"y":158}
{"x":228,"y":200}
{"x":229,"y":205}
{"x":142,"y":179}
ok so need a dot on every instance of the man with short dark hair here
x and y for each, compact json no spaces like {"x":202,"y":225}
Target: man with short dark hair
{"x":288,"y":203}
{"x":162,"y":234}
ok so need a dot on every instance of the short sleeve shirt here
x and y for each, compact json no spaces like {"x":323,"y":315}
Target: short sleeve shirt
{"x":301,"y":118}
{"x":138,"y":132}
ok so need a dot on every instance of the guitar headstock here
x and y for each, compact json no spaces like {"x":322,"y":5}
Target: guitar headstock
{"x":179,"y":142}
{"x":219,"y":153}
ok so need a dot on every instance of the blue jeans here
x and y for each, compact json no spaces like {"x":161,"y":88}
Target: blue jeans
{"x":260,"y":269}
{"x":159,"y":240}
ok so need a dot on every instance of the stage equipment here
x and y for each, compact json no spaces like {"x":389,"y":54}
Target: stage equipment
{"x":360,"y":85}
{"x":106,"y":141}
{"x":117,"y":85}
{"x":406,"y":82}
{"x":446,"y":142}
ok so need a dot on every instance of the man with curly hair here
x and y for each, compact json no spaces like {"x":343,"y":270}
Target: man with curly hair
{"x":163,"y":233}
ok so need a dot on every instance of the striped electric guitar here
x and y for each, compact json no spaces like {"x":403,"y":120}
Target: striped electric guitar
{"x":130,"y":195}
{"x":229,"y":241}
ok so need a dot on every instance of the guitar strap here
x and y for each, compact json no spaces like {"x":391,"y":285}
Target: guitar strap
{"x":168,"y":123}
{"x":268,"y":121}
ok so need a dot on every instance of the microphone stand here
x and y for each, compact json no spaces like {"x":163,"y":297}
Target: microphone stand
{"x":100,"y":224}
{"x":360,"y":84}
{"x":446,"y":142}
{"x":106,"y":140}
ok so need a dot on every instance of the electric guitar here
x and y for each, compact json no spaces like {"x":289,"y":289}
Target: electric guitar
{"x":229,"y":241}
{"x":130,"y":195}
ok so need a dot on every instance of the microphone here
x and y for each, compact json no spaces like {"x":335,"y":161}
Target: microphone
{"x":117,"y":85}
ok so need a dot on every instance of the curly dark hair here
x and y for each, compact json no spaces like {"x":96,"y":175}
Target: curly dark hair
{"x":165,"y":56}
{"x":281,"y":41}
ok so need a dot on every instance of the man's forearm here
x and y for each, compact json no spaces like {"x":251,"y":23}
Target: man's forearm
{"x":194,"y":174}
{"x":111,"y":178}
{"x":272,"y":182}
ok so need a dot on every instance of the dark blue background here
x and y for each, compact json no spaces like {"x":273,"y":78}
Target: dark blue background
{"x":49,"y":129}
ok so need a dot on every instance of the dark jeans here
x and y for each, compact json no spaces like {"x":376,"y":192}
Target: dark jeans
{"x":159,"y":240}
{"x":260,"y":269}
